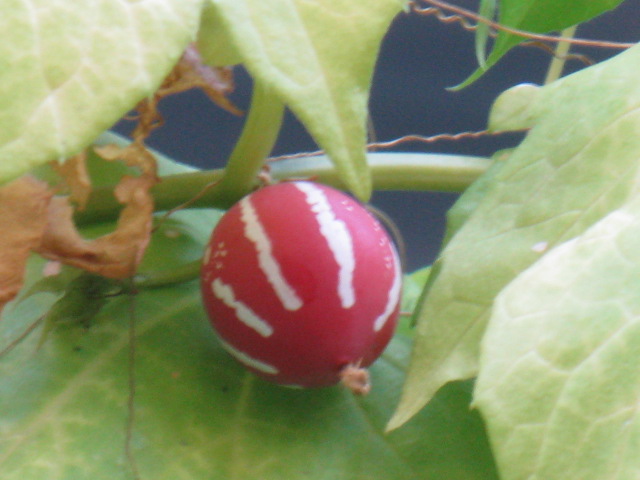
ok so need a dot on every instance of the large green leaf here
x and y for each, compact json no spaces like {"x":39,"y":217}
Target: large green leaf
{"x":559,"y":383}
{"x":577,"y":164}
{"x":318,"y":57}
{"x":71,"y":68}
{"x":198,"y":414}
{"x":535,"y":16}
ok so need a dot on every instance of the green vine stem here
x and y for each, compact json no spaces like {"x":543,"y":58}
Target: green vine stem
{"x":258,"y":137}
{"x":560,"y":57}
{"x":390,"y":171}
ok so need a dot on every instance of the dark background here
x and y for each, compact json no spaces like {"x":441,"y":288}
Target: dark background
{"x":420,"y":57}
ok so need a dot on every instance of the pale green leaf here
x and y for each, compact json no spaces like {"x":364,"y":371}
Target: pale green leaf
{"x":578,"y":163}
{"x":319,"y":58}
{"x":71,"y":68}
{"x":460,"y":212}
{"x":516,"y":108}
{"x":559,"y":383}
{"x":214,"y":41}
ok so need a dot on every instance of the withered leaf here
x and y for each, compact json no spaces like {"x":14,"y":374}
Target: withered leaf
{"x":76,"y":178}
{"x":134,"y":155}
{"x":23,"y":213}
{"x":117,"y":254}
{"x":189,"y":72}
{"x":32,"y":218}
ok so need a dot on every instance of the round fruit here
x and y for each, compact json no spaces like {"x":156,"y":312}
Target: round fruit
{"x":302,"y":284}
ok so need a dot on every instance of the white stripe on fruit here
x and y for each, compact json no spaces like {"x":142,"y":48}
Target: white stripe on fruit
{"x":268,"y":263}
{"x":338,"y":239}
{"x":394,"y":293}
{"x":243,"y":313}
{"x":249,"y":361}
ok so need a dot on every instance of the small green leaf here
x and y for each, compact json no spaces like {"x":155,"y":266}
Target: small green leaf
{"x":319,"y":58}
{"x":81,"y":301}
{"x":54,"y":284}
{"x":487,"y":9}
{"x":515,"y":109}
{"x":559,"y":383}
{"x":70,"y":69}
{"x":536,"y":16}
{"x":578,"y":163}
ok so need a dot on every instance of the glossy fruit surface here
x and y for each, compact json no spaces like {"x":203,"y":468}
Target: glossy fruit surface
{"x":301,"y":281}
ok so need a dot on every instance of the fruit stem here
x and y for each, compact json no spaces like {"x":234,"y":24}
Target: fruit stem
{"x":356,"y":379}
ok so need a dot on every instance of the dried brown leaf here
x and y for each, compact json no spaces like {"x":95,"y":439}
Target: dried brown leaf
{"x":117,"y":254}
{"x":216,"y":82}
{"x":189,"y":72}
{"x":76,"y":177}
{"x":33,"y":219}
{"x":134,"y":155}
{"x":23,"y":213}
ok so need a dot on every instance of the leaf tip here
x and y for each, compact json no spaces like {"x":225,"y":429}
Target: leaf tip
{"x":515,"y":108}
{"x":405,"y":411}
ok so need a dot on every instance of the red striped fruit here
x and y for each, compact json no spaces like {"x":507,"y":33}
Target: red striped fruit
{"x":302,"y":284}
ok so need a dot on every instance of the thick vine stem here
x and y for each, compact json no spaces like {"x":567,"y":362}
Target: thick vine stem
{"x":393,"y":171}
{"x":258,"y":137}
{"x":390,"y":171}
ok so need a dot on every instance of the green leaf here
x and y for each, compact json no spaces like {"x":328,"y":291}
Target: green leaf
{"x":319,"y":58}
{"x":487,"y":9}
{"x":516,"y":108}
{"x":70,"y":69}
{"x":214,"y":42}
{"x":535,"y":16}
{"x":559,"y":384}
{"x":412,"y":286}
{"x":578,"y":163}
{"x":198,"y":414}
{"x":201,"y":416}
{"x":464,"y":207}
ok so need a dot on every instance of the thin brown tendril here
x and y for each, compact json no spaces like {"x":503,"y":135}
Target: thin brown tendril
{"x":184,"y":205}
{"x":27,"y":331}
{"x":431,"y":139}
{"x":131,"y":399}
{"x":399,"y":141}
{"x":444,"y":18}
{"x":571,"y":56}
